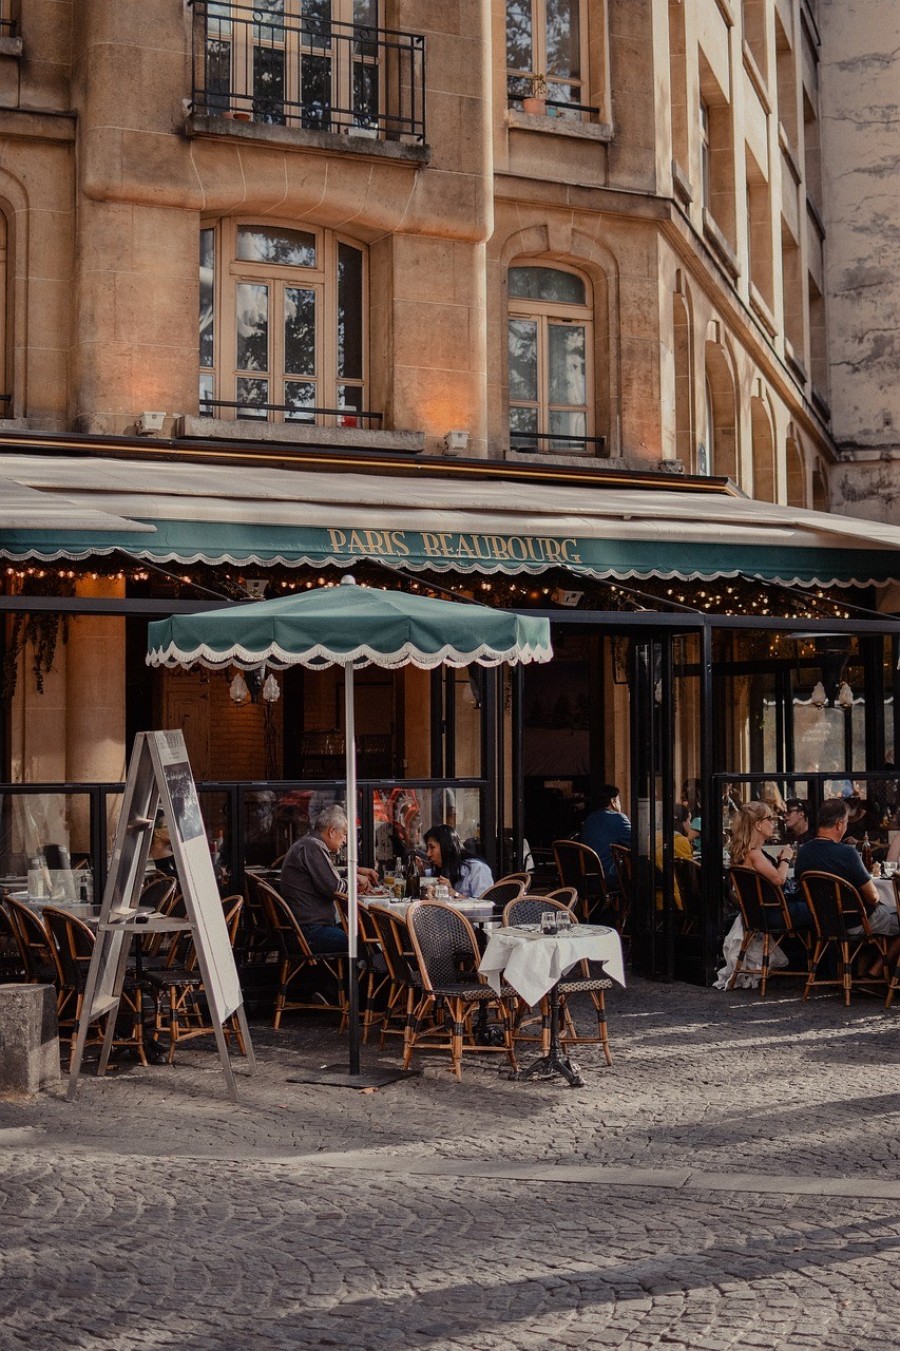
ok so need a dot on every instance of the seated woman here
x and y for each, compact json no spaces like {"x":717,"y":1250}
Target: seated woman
{"x":465,"y":874}
{"x":753,"y":826}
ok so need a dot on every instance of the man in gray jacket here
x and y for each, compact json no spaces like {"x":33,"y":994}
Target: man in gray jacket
{"x":310,"y":883}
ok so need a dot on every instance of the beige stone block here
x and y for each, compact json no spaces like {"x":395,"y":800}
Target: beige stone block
{"x":9,"y":81}
{"x":136,"y":24}
{"x":48,"y":307}
{"x":46,"y":373}
{"x":424,"y":267}
{"x":165,"y":243}
{"x":163,"y":377}
{"x":557,"y":159}
{"x":435,"y":16}
{"x":456,"y":66}
{"x":46,"y":84}
{"x":103,"y":378}
{"x":52,"y":251}
{"x":436,"y":400}
{"x":433,"y":335}
{"x":453,"y":205}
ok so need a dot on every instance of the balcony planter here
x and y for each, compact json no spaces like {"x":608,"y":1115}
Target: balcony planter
{"x":534,"y":105}
{"x":368,"y":133}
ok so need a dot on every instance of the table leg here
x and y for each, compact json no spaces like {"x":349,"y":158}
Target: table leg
{"x":554,"y":1063}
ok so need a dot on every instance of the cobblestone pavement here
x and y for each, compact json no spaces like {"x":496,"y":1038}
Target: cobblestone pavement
{"x":731,"y":1181}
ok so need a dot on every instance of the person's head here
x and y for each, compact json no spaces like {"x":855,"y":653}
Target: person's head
{"x":331,"y":824}
{"x":796,"y":815}
{"x":833,"y":818}
{"x":690,"y":795}
{"x":445,"y":852}
{"x":752,"y":825}
{"x":608,"y":798}
{"x":682,"y":822}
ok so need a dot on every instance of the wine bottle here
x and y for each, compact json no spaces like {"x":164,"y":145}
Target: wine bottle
{"x":413,"y":889}
{"x":866,"y":853}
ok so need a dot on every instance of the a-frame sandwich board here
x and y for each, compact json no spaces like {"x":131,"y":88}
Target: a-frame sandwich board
{"x":159,"y":776}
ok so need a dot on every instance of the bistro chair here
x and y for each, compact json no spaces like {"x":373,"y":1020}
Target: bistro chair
{"x":374,"y":973}
{"x":12,"y":960}
{"x":567,"y":896}
{"x":764,"y":915}
{"x":895,"y":978}
{"x":297,"y":960}
{"x":624,"y":861}
{"x":181,"y":1007}
{"x":38,"y":952}
{"x":440,"y":936}
{"x":579,"y":866}
{"x":837,"y":907}
{"x":689,"y":880}
{"x":501,"y":893}
{"x":586,"y":978}
{"x":523,"y":878}
{"x":256,"y":942}
{"x":405,"y":979}
{"x":74,"y":943}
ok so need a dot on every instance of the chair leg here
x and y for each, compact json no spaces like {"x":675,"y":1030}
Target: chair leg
{"x":602,"y":1031}
{"x":765,"y":965}
{"x":281,"y":995}
{"x":739,"y":964}
{"x":456,"y":1037}
{"x":817,"y":954}
{"x":846,"y":971}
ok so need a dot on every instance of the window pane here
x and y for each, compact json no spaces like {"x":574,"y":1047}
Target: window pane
{"x":563,"y":38}
{"x":523,"y":371}
{"x":519,"y":36}
{"x":567,"y":424}
{"x":218,"y":73}
{"x":268,"y":84}
{"x":546,"y":283}
{"x":523,"y":428}
{"x":365,"y":95}
{"x":567,"y":373}
{"x":350,"y":318}
{"x":315,"y":74}
{"x":299,"y":331}
{"x":317,"y":24}
{"x":273,"y":31}
{"x":252,"y":397}
{"x":207,"y":393}
{"x":301,"y":400}
{"x":286,"y":248}
{"x":349,"y":396}
{"x":207,"y":303}
{"x":252,"y":327}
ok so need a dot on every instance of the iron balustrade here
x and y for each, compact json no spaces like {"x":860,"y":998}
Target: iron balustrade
{"x":244,"y":412}
{"x":524,"y":441}
{"x":264,"y":65}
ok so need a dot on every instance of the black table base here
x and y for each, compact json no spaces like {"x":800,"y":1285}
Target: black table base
{"x":555,"y":1062}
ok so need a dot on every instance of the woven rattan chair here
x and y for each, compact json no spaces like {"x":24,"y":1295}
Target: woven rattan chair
{"x":579,"y":866}
{"x":523,"y":878}
{"x":38,"y":952}
{"x":405,"y":983}
{"x":836,"y":908}
{"x":501,"y":893}
{"x":624,"y":861}
{"x":689,"y":879}
{"x":12,"y":960}
{"x":297,"y":960}
{"x":588,"y":978}
{"x":374,"y":973}
{"x":181,"y":1007}
{"x":74,"y":945}
{"x":443,"y":941}
{"x":764,"y":915}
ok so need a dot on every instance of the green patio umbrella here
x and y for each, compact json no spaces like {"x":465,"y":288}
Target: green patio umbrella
{"x":349,"y":626}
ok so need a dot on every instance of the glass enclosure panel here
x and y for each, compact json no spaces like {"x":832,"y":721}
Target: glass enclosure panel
{"x":402,"y":815}
{"x":45,"y":846}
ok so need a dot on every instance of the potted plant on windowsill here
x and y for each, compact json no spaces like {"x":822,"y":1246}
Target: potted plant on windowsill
{"x":536,"y":101}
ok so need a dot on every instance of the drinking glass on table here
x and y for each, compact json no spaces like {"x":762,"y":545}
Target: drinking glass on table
{"x":548,"y":921}
{"x":563,"y":922}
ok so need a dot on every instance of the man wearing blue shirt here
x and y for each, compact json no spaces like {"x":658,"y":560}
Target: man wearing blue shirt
{"x":828,"y":854}
{"x":607,"y":826}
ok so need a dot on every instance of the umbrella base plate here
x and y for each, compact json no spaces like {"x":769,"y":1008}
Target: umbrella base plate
{"x":338,"y":1076}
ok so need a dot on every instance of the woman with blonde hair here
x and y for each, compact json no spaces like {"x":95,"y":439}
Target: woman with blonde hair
{"x":752,"y":827}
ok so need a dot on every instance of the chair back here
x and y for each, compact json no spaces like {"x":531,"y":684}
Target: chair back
{"x":444,"y":942}
{"x":282,"y":922}
{"x":502,"y":892}
{"x":579,"y":866}
{"x":524,"y":879}
{"x":689,"y":878}
{"x":159,"y":892}
{"x":835,"y":904}
{"x":761,"y":902}
{"x":74,"y":943}
{"x":13,"y":965}
{"x":567,"y":896}
{"x":38,"y":953}
{"x":231,"y":910}
{"x":392,"y":935}
{"x":528,"y":909}
{"x":624,"y":862}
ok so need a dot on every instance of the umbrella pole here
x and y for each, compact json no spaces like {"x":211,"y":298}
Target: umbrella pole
{"x":352,"y":863}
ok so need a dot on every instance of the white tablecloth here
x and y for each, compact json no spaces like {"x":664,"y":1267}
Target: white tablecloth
{"x":885,"y":890}
{"x":475,"y":911}
{"x":532,"y":963}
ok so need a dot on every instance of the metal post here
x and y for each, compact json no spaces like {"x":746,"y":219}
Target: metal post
{"x":352,"y":862}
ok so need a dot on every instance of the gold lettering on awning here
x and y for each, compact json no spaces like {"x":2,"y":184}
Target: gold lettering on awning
{"x":542,"y":550}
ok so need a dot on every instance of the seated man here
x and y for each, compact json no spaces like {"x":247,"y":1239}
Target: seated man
{"x":828,"y":854}
{"x":310,"y":883}
{"x":607,"y":826}
{"x":796,"y":821}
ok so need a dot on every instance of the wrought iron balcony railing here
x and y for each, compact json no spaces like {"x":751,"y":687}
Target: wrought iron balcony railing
{"x":534,"y":442}
{"x":231,"y":409}
{"x":265,"y":64}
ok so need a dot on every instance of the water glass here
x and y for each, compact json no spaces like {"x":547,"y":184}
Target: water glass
{"x":548,"y":921}
{"x":563,"y":922}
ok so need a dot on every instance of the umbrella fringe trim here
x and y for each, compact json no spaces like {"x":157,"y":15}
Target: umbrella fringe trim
{"x":316,"y":658}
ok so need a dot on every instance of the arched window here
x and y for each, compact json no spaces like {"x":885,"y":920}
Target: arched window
{"x":282,"y":324}
{"x":550,"y":360}
{"x":796,"y":473}
{"x":684,"y":401}
{"x":721,"y":413}
{"x":763,"y":451}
